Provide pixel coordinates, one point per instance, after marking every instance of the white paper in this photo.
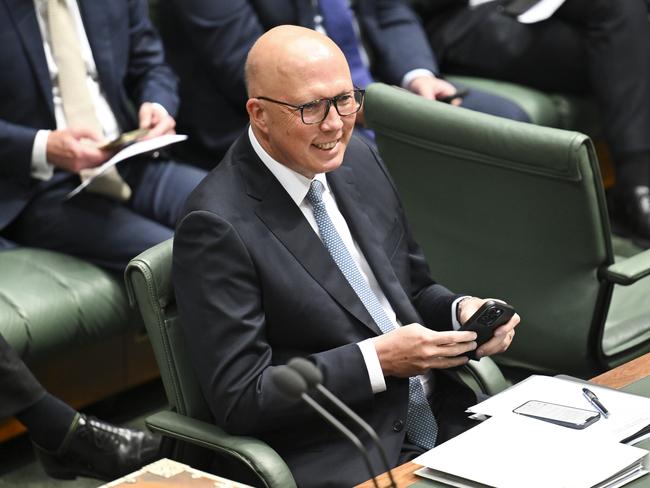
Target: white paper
(512, 451)
(540, 11)
(627, 413)
(129, 151)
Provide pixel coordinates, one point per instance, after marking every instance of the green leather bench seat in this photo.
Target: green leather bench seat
(50, 301)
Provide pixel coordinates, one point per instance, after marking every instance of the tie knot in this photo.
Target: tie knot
(315, 193)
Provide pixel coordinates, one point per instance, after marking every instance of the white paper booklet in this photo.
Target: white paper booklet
(134, 149)
(512, 451)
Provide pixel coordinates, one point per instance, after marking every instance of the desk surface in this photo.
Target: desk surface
(616, 378)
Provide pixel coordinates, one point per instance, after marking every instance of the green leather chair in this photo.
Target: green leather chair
(517, 211)
(148, 280)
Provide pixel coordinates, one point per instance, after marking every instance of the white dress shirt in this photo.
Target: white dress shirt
(297, 186)
(40, 167)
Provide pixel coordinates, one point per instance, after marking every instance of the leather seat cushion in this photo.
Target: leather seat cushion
(49, 301)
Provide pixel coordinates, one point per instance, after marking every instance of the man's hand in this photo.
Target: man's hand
(413, 349)
(432, 88)
(74, 149)
(156, 119)
(503, 335)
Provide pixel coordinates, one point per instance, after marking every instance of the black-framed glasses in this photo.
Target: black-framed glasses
(316, 111)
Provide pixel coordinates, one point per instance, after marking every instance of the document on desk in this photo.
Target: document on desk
(511, 451)
(130, 151)
(628, 414)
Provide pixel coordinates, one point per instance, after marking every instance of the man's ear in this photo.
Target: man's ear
(257, 114)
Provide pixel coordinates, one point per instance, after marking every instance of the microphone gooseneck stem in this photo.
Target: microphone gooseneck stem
(371, 432)
(344, 430)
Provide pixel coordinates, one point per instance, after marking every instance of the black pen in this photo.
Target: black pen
(593, 399)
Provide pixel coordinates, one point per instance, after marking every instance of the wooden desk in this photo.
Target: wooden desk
(616, 378)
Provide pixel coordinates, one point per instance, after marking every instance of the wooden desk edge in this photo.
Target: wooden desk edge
(616, 378)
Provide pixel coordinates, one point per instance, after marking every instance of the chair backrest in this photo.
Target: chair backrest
(505, 209)
(148, 280)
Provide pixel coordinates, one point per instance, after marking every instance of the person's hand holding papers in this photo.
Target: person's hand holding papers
(154, 117)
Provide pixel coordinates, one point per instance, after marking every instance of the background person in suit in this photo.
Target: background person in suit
(207, 42)
(261, 276)
(596, 47)
(67, 443)
(73, 73)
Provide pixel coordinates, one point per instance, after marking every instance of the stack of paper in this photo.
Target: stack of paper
(510, 450)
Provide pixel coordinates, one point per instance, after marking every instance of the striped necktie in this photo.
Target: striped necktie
(422, 428)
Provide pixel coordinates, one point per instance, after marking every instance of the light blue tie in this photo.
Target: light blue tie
(422, 427)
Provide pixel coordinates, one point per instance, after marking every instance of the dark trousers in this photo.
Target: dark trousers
(18, 387)
(597, 47)
(104, 231)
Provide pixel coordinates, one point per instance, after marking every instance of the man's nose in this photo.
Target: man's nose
(332, 121)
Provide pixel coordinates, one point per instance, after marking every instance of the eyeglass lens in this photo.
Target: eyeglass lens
(346, 104)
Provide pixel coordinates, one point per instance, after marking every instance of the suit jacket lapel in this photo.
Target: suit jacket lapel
(285, 220)
(365, 234)
(24, 18)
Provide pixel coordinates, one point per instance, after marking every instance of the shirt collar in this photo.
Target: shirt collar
(295, 184)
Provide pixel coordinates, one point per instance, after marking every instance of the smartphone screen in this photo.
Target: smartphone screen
(575, 418)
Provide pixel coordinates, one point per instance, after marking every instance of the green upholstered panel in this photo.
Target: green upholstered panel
(49, 301)
(628, 321)
(148, 279)
(505, 209)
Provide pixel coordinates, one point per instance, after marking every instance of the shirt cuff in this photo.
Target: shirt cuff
(376, 375)
(41, 169)
(454, 311)
(413, 74)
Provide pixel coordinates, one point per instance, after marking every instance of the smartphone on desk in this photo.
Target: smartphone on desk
(488, 317)
(572, 417)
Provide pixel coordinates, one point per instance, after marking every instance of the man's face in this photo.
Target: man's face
(316, 148)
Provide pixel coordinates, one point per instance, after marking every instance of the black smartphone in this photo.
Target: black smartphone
(572, 417)
(488, 317)
(460, 93)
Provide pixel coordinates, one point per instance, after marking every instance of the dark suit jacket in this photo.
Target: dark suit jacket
(255, 287)
(207, 43)
(131, 69)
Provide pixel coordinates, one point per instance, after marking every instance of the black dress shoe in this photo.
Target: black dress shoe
(96, 449)
(633, 205)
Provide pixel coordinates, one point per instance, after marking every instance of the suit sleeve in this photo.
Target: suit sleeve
(220, 300)
(148, 77)
(397, 39)
(16, 143)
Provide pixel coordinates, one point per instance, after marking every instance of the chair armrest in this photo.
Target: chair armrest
(257, 455)
(630, 270)
(484, 375)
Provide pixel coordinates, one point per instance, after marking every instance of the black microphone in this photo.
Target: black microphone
(314, 379)
(293, 385)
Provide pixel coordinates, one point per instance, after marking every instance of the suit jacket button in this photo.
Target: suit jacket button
(398, 425)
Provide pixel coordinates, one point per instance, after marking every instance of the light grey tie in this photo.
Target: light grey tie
(77, 103)
(422, 427)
